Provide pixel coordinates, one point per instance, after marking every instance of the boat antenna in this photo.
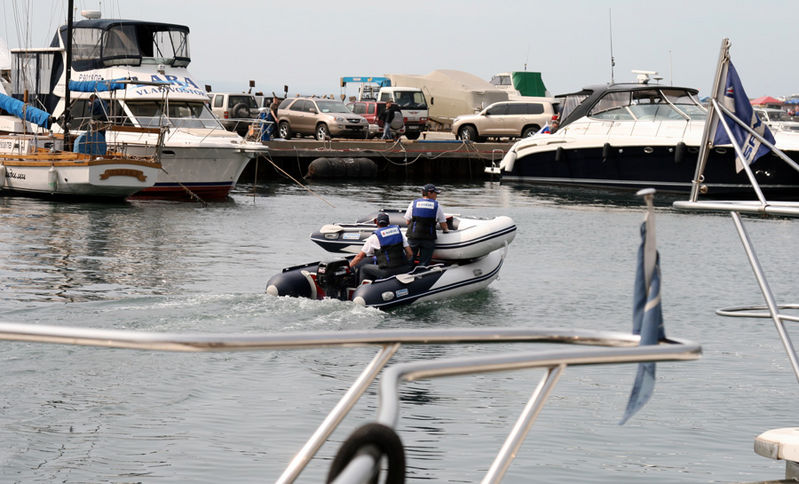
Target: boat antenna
(68, 75)
(527, 57)
(612, 60)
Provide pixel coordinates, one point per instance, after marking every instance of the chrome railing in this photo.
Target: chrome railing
(596, 347)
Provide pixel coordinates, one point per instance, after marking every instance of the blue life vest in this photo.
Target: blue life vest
(423, 219)
(391, 252)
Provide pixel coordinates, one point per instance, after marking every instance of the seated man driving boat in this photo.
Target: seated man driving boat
(390, 248)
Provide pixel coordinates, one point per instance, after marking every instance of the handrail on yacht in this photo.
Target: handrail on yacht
(601, 347)
(761, 206)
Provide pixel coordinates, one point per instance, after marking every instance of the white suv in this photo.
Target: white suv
(505, 119)
(236, 110)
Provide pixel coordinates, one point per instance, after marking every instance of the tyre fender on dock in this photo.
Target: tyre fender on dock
(342, 168)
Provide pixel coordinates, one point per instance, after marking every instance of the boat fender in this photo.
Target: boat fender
(52, 179)
(679, 152)
(559, 154)
(378, 440)
(606, 151)
(2, 174)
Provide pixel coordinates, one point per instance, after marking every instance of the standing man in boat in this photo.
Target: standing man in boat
(422, 216)
(390, 246)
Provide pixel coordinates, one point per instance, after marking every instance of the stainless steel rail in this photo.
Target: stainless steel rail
(602, 347)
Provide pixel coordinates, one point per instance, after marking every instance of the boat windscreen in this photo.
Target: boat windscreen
(181, 114)
(569, 102)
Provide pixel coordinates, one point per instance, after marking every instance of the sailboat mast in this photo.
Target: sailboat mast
(68, 75)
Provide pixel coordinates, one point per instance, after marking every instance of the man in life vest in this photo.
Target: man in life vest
(390, 248)
(422, 216)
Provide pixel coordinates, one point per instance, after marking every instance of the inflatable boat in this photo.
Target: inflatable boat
(468, 238)
(335, 279)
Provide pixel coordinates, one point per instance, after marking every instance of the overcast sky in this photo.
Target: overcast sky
(309, 45)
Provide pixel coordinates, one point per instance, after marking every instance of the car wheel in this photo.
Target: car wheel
(322, 133)
(467, 133)
(413, 135)
(530, 130)
(284, 130)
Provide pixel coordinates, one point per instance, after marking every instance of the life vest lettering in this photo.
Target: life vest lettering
(389, 231)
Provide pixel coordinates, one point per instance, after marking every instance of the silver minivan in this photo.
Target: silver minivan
(505, 119)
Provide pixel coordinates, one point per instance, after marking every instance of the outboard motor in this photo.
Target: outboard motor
(334, 277)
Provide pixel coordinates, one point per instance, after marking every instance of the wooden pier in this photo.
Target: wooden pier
(403, 159)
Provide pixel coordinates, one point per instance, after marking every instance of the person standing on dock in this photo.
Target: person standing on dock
(422, 216)
(389, 246)
(392, 110)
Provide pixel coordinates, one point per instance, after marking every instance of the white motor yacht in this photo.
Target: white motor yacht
(637, 135)
(200, 159)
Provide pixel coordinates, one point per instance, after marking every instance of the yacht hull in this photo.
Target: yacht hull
(63, 179)
(668, 168)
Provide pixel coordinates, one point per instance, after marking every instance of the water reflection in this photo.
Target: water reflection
(82, 252)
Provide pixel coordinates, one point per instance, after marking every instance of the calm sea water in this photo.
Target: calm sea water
(74, 414)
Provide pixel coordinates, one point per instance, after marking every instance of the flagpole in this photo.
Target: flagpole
(711, 121)
(648, 195)
(739, 154)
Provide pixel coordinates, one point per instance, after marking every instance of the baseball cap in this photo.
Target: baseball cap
(382, 218)
(430, 188)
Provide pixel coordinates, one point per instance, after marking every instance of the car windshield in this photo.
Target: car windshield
(180, 114)
(332, 107)
(410, 99)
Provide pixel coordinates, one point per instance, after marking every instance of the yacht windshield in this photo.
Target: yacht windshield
(181, 114)
(648, 105)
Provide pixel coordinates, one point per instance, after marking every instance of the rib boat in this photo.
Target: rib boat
(335, 279)
(468, 237)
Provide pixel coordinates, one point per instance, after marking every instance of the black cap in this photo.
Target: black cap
(430, 188)
(382, 219)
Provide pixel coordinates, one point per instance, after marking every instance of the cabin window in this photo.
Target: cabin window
(171, 47)
(120, 47)
(86, 44)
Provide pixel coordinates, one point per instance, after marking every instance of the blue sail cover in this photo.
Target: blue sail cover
(25, 111)
(95, 86)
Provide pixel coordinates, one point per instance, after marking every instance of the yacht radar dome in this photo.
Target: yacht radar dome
(91, 14)
(643, 77)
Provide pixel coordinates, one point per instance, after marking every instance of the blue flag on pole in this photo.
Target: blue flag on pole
(647, 317)
(734, 98)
